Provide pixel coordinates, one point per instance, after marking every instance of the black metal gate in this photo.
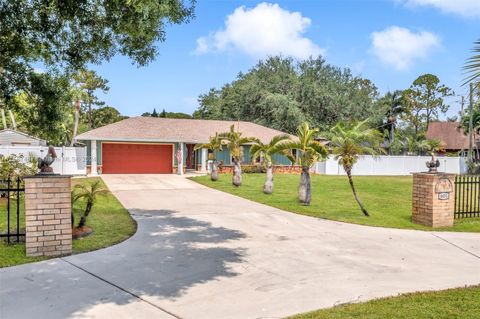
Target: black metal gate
(467, 196)
(11, 201)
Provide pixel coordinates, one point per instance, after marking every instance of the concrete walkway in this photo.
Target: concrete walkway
(200, 253)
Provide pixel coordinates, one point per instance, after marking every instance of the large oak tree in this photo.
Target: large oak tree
(62, 37)
(282, 93)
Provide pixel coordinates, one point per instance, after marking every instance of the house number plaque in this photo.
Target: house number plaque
(443, 188)
(443, 195)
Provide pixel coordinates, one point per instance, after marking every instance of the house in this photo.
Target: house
(451, 134)
(154, 145)
(9, 137)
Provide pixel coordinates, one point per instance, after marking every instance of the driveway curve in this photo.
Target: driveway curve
(202, 253)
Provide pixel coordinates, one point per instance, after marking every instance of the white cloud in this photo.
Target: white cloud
(202, 46)
(264, 30)
(467, 8)
(400, 47)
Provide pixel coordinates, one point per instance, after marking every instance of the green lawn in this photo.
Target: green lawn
(388, 199)
(463, 303)
(111, 224)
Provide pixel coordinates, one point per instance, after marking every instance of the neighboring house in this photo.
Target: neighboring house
(153, 145)
(451, 134)
(10, 137)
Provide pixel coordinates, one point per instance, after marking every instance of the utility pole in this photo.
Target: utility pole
(470, 125)
(462, 111)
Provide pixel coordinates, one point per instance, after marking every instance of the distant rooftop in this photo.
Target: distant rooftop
(450, 133)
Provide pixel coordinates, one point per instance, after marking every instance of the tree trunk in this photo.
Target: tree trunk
(237, 173)
(75, 127)
(214, 172)
(90, 119)
(391, 137)
(268, 186)
(350, 180)
(304, 189)
(83, 219)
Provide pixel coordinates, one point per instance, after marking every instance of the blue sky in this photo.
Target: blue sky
(390, 42)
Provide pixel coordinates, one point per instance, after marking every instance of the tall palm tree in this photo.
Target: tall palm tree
(265, 152)
(310, 151)
(234, 141)
(214, 145)
(472, 67)
(349, 141)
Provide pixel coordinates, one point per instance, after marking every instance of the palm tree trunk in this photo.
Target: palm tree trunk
(83, 219)
(75, 127)
(304, 189)
(350, 180)
(214, 172)
(268, 186)
(237, 173)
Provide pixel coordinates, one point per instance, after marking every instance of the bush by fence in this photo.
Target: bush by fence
(70, 160)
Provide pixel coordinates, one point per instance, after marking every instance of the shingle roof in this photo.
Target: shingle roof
(450, 133)
(174, 130)
(15, 132)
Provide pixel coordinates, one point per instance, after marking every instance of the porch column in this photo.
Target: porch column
(93, 157)
(181, 149)
(204, 159)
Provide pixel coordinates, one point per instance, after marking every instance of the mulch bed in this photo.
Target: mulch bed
(78, 233)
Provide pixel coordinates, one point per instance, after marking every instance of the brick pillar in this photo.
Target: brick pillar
(433, 199)
(48, 208)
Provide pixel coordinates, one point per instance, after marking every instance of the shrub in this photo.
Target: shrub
(14, 166)
(254, 168)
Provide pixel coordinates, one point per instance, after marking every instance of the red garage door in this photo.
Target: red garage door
(136, 158)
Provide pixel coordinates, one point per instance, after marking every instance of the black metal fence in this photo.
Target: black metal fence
(467, 196)
(11, 201)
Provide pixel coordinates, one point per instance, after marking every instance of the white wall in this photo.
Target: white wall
(392, 165)
(70, 160)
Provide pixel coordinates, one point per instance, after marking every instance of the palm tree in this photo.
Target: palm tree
(472, 67)
(234, 141)
(414, 145)
(349, 141)
(310, 151)
(265, 152)
(432, 146)
(465, 121)
(214, 145)
(90, 194)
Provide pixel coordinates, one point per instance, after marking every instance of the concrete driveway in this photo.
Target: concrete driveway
(200, 253)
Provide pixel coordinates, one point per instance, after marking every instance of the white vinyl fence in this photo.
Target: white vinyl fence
(392, 165)
(70, 160)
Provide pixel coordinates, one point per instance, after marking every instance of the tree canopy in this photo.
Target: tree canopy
(87, 82)
(424, 101)
(165, 114)
(282, 93)
(44, 43)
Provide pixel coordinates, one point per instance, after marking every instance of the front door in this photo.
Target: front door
(190, 160)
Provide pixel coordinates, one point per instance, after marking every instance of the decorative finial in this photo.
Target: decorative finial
(432, 164)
